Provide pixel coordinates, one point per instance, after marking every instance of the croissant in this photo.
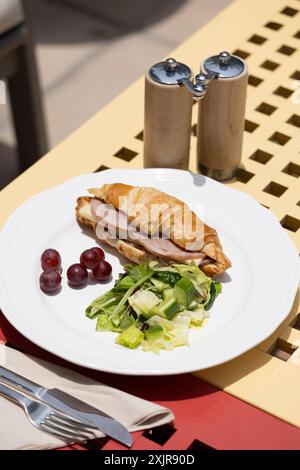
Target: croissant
(157, 226)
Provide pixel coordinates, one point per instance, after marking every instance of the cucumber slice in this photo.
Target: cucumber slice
(153, 333)
(185, 291)
(168, 308)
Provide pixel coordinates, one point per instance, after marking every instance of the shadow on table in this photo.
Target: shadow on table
(115, 18)
(233, 371)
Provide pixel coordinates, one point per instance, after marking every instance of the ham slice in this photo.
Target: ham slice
(116, 224)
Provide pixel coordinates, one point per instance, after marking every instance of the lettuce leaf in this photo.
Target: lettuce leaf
(139, 271)
(123, 284)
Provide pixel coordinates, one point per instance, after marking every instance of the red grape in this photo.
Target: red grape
(102, 272)
(51, 260)
(100, 252)
(77, 275)
(50, 281)
(89, 259)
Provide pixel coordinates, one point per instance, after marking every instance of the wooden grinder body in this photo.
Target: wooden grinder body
(221, 120)
(167, 131)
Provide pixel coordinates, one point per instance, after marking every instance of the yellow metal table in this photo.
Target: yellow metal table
(266, 34)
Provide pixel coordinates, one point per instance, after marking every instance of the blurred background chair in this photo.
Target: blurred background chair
(18, 68)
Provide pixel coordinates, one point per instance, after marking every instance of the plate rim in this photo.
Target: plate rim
(291, 294)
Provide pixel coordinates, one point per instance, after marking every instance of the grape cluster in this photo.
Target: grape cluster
(77, 274)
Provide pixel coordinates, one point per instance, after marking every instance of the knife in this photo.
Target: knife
(70, 405)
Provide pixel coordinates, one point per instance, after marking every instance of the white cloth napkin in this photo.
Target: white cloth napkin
(16, 432)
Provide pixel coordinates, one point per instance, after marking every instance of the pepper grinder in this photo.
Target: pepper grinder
(168, 113)
(221, 115)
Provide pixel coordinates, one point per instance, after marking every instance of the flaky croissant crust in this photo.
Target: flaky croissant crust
(126, 198)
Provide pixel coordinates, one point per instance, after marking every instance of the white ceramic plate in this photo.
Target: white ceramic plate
(258, 291)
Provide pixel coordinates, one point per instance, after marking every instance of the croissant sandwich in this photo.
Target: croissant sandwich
(145, 223)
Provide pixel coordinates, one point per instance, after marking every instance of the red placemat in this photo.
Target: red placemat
(205, 417)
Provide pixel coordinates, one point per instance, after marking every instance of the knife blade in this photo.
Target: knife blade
(70, 405)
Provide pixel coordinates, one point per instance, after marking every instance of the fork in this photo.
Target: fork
(47, 420)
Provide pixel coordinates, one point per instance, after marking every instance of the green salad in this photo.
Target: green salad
(155, 306)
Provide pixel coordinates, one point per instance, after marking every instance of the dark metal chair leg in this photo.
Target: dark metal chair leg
(26, 105)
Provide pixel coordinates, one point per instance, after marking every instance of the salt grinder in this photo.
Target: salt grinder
(221, 115)
(168, 112)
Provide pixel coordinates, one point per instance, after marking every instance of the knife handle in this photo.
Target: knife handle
(19, 382)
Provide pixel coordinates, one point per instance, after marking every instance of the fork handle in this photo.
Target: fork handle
(18, 381)
(14, 396)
